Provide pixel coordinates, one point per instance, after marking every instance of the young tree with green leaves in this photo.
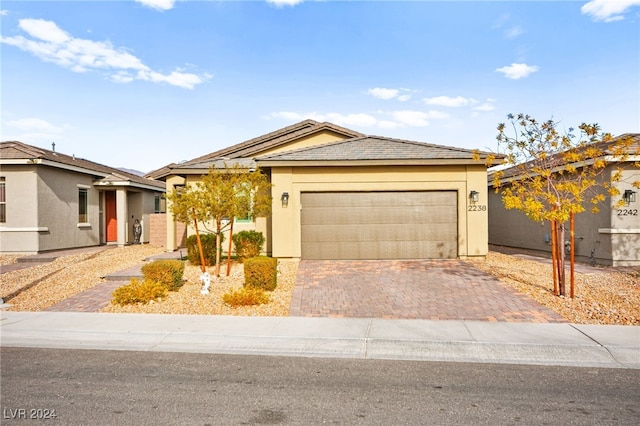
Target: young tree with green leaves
(554, 174)
(219, 197)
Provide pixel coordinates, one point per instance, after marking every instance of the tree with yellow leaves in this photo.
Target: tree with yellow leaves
(218, 198)
(555, 175)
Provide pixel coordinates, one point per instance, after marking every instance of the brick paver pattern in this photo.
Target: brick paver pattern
(413, 289)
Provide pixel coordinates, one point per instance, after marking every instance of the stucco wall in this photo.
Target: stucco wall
(472, 225)
(20, 232)
(58, 209)
(607, 238)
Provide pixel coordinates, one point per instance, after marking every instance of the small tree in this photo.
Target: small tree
(219, 197)
(554, 174)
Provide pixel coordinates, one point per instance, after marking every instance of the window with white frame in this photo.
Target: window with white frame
(83, 205)
(3, 200)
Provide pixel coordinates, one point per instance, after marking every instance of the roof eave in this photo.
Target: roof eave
(352, 163)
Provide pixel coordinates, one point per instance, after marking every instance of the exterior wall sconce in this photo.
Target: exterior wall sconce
(285, 199)
(474, 196)
(629, 196)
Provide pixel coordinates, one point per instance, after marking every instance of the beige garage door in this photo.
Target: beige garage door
(379, 225)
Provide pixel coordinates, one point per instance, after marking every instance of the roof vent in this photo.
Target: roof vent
(53, 146)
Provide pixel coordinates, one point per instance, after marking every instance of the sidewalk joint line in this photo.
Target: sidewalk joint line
(598, 343)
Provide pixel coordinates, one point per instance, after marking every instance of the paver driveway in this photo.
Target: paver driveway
(413, 289)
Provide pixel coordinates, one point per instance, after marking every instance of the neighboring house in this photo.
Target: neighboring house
(610, 237)
(339, 194)
(50, 201)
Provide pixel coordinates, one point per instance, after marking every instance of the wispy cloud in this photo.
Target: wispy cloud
(386, 94)
(52, 44)
(608, 10)
(4, 12)
(518, 71)
(158, 4)
(486, 106)
(32, 124)
(447, 101)
(364, 120)
(281, 3)
(387, 120)
(509, 30)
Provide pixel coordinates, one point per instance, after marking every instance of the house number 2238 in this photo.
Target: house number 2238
(477, 208)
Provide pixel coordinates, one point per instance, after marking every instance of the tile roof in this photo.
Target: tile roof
(279, 137)
(606, 147)
(14, 150)
(254, 146)
(374, 148)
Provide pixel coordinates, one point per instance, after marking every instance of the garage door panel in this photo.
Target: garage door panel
(404, 250)
(440, 232)
(372, 215)
(379, 225)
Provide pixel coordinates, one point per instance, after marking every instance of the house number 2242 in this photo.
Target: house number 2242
(477, 208)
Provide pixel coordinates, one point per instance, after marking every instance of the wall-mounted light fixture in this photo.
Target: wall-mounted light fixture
(629, 196)
(474, 196)
(285, 199)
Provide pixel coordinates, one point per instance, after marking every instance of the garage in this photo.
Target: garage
(379, 225)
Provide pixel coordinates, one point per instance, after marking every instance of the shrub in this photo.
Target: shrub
(248, 244)
(168, 272)
(245, 296)
(208, 247)
(261, 272)
(138, 292)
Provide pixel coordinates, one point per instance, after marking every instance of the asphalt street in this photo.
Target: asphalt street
(103, 387)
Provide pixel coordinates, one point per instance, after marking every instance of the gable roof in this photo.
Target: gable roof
(375, 150)
(255, 146)
(14, 152)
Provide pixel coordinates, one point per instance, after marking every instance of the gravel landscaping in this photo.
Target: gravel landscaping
(603, 295)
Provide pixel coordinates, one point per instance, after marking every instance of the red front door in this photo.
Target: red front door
(111, 216)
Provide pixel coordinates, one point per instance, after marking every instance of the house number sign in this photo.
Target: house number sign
(627, 212)
(477, 208)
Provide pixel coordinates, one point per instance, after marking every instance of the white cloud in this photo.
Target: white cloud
(281, 3)
(396, 119)
(382, 93)
(364, 120)
(386, 94)
(447, 101)
(518, 71)
(608, 10)
(32, 124)
(411, 118)
(52, 44)
(158, 4)
(4, 12)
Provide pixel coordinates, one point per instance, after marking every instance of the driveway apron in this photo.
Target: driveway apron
(410, 289)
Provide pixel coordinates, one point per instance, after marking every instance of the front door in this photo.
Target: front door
(110, 216)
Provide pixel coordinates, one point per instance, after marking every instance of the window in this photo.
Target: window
(83, 205)
(245, 219)
(159, 204)
(3, 201)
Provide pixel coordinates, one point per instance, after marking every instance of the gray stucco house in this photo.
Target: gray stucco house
(51, 201)
(610, 237)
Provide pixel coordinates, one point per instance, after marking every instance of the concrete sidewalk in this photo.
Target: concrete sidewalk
(361, 338)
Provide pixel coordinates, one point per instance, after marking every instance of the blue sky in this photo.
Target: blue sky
(140, 84)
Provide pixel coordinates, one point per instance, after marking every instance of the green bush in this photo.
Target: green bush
(261, 272)
(167, 271)
(208, 247)
(138, 292)
(245, 296)
(248, 244)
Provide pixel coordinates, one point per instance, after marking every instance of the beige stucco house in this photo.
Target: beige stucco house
(339, 194)
(51, 201)
(610, 237)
